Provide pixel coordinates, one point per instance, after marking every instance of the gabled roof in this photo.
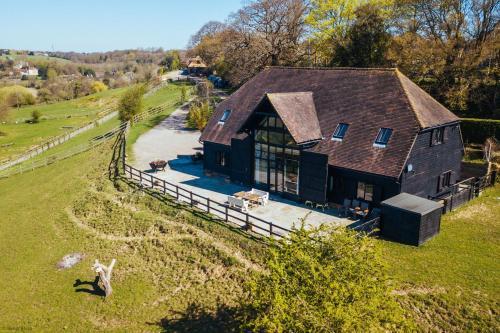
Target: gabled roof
(298, 113)
(366, 99)
(429, 112)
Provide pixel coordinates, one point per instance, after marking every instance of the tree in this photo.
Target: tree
(51, 74)
(322, 280)
(209, 29)
(172, 60)
(451, 49)
(131, 103)
(199, 114)
(366, 42)
(330, 20)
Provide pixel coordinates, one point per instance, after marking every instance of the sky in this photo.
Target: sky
(105, 25)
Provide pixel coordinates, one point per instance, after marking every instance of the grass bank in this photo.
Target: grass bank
(170, 262)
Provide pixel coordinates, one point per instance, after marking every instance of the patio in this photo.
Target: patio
(172, 142)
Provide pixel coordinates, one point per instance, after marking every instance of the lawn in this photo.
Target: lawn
(169, 261)
(453, 279)
(56, 119)
(62, 117)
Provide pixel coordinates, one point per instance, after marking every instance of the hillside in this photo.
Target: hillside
(167, 259)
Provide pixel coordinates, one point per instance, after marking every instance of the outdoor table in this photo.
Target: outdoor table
(253, 198)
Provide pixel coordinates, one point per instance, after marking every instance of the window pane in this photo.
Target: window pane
(272, 122)
(261, 136)
(260, 171)
(340, 131)
(368, 192)
(276, 137)
(225, 116)
(361, 190)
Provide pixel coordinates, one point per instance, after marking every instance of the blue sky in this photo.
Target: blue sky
(92, 25)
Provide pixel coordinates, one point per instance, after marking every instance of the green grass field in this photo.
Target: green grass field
(453, 279)
(33, 58)
(168, 260)
(56, 119)
(20, 136)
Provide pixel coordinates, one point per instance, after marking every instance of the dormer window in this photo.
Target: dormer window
(339, 132)
(225, 116)
(383, 136)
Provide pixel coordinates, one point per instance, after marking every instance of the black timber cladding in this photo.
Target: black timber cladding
(242, 160)
(210, 151)
(428, 162)
(313, 172)
(409, 219)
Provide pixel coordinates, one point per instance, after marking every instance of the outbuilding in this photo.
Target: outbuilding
(409, 219)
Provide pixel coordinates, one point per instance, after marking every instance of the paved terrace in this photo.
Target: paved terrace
(172, 142)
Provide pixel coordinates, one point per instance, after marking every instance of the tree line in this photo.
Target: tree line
(448, 47)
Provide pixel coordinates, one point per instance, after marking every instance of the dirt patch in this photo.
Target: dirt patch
(70, 260)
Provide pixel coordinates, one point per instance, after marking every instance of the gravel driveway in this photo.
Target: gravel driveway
(166, 141)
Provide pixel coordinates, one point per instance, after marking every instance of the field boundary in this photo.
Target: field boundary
(57, 140)
(91, 144)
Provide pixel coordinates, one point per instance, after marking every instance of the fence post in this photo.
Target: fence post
(177, 192)
(191, 198)
(151, 180)
(226, 214)
(247, 223)
(270, 229)
(164, 187)
(208, 205)
(493, 177)
(140, 177)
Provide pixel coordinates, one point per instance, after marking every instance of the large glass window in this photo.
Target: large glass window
(276, 157)
(365, 191)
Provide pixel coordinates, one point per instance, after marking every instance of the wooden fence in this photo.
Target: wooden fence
(57, 140)
(464, 191)
(220, 210)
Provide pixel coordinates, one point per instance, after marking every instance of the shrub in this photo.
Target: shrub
(478, 130)
(35, 116)
(131, 103)
(322, 280)
(98, 86)
(16, 96)
(199, 114)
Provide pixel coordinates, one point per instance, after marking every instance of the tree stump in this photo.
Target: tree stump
(104, 273)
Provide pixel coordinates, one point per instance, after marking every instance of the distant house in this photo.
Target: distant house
(28, 71)
(326, 135)
(196, 66)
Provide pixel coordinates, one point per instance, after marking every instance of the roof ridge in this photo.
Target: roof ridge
(387, 69)
(289, 92)
(408, 99)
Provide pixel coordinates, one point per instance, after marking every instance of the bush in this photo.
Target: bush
(478, 130)
(199, 114)
(131, 103)
(323, 280)
(35, 116)
(16, 96)
(98, 86)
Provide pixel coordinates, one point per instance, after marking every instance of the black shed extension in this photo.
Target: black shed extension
(409, 219)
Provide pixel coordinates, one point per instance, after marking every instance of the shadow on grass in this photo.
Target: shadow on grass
(94, 290)
(198, 319)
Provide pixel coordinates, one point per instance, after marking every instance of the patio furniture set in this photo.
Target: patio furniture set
(244, 200)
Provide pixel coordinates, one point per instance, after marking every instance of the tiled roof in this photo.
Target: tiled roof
(298, 113)
(366, 99)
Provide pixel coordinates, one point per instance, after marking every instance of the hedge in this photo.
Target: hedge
(478, 130)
